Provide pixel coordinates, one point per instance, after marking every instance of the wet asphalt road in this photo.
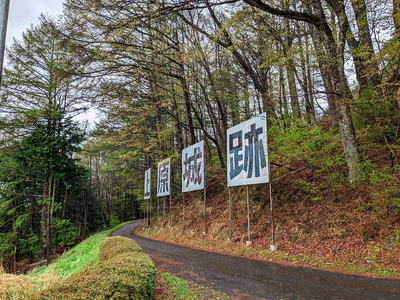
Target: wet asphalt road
(252, 279)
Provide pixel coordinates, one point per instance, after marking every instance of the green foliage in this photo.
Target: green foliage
(128, 276)
(377, 120)
(37, 163)
(76, 259)
(6, 248)
(19, 221)
(114, 220)
(28, 245)
(24, 167)
(180, 286)
(64, 233)
(310, 144)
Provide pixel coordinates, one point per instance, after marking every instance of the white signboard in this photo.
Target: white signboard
(247, 152)
(164, 178)
(147, 182)
(193, 167)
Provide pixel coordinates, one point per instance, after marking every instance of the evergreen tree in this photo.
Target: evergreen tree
(42, 93)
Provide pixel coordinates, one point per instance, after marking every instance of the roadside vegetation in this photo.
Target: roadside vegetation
(71, 262)
(171, 287)
(93, 268)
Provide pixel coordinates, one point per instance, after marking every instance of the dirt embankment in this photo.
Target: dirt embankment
(315, 225)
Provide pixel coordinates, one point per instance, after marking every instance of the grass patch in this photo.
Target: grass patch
(82, 255)
(174, 288)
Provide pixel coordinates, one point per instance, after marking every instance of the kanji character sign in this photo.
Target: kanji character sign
(147, 182)
(193, 167)
(163, 178)
(247, 152)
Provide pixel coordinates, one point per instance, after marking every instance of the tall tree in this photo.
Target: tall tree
(315, 15)
(43, 92)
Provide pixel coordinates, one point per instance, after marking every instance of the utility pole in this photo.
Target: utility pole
(4, 8)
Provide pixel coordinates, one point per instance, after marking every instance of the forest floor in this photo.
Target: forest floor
(326, 233)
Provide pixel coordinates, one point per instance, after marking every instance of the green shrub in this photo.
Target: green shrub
(126, 276)
(6, 249)
(64, 232)
(114, 220)
(123, 272)
(111, 247)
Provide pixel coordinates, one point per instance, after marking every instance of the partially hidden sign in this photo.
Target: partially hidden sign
(164, 178)
(247, 152)
(193, 167)
(147, 182)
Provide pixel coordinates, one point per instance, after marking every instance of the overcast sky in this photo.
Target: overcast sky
(23, 13)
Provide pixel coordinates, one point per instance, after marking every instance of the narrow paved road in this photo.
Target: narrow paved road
(251, 279)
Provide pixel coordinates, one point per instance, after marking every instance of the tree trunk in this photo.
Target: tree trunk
(349, 141)
(337, 88)
(290, 70)
(362, 50)
(283, 107)
(186, 103)
(50, 199)
(43, 222)
(178, 129)
(393, 81)
(324, 68)
(294, 99)
(222, 126)
(304, 61)
(342, 98)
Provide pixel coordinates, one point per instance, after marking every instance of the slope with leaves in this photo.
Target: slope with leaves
(320, 219)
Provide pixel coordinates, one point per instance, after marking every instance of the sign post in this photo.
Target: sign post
(4, 9)
(147, 192)
(273, 247)
(170, 204)
(164, 180)
(193, 176)
(230, 214)
(247, 152)
(183, 210)
(205, 210)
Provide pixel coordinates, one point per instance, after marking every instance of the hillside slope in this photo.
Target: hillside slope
(320, 219)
